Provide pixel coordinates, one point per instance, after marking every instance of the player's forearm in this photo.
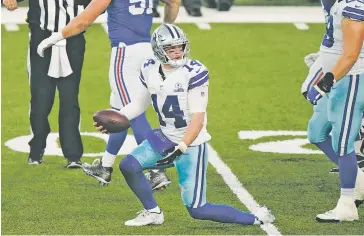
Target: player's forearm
(137, 106)
(353, 36)
(171, 9)
(194, 128)
(81, 22)
(134, 109)
(343, 66)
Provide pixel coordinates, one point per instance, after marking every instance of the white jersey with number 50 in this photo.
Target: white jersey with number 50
(332, 45)
(175, 99)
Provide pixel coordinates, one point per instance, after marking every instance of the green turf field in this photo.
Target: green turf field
(256, 72)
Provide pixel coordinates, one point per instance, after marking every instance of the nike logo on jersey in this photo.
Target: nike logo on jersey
(198, 70)
(357, 6)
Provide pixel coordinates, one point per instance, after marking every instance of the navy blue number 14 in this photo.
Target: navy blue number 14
(170, 109)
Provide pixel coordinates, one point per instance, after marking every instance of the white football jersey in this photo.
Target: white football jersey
(332, 45)
(171, 98)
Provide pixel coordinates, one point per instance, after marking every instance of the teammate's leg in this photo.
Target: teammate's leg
(191, 170)
(319, 129)
(346, 105)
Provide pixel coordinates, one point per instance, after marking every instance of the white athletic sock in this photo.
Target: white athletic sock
(108, 159)
(155, 210)
(347, 192)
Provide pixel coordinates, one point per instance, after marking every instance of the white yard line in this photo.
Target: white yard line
(238, 189)
(301, 26)
(11, 27)
(204, 26)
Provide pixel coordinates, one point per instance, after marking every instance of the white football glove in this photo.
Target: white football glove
(49, 42)
(311, 58)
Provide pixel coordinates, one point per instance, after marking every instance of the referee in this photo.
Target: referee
(60, 68)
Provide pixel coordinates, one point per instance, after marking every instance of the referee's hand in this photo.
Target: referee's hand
(49, 42)
(11, 5)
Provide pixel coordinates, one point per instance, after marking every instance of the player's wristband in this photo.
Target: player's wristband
(182, 146)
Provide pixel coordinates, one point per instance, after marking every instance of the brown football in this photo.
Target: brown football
(111, 120)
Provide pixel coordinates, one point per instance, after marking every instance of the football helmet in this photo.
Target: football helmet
(165, 37)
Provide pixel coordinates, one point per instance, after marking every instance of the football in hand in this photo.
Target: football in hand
(111, 120)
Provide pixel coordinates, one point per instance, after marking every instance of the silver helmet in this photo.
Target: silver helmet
(166, 36)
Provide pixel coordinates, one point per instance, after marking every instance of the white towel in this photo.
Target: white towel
(60, 65)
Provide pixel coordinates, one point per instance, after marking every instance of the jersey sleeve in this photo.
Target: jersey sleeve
(354, 10)
(144, 71)
(138, 105)
(198, 99)
(199, 76)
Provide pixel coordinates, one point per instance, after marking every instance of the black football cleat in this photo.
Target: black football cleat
(74, 165)
(96, 170)
(36, 161)
(158, 179)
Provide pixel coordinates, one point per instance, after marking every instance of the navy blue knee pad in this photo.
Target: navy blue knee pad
(129, 165)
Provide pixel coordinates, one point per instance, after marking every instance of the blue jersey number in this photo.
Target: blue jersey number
(149, 62)
(329, 35)
(139, 7)
(193, 66)
(170, 109)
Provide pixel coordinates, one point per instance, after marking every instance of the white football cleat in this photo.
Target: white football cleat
(345, 210)
(146, 218)
(264, 215)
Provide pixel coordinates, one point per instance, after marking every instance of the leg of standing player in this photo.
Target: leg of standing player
(69, 109)
(125, 64)
(124, 71)
(319, 129)
(42, 91)
(346, 106)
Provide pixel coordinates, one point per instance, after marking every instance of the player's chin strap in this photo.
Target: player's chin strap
(161, 72)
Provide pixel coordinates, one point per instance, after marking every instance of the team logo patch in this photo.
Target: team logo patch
(178, 88)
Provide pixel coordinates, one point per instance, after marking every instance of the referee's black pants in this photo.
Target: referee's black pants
(43, 89)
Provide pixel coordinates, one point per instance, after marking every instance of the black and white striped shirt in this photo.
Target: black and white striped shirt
(53, 15)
